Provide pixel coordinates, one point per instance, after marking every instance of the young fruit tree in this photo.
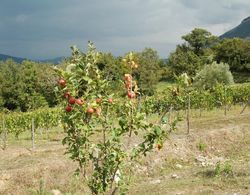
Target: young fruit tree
(99, 126)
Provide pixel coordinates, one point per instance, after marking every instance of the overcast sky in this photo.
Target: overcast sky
(41, 29)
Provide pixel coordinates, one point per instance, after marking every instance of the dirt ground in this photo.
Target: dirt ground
(213, 159)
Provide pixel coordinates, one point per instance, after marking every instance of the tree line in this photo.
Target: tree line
(30, 85)
(201, 48)
(26, 86)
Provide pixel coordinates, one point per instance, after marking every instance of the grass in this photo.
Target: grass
(212, 135)
(163, 86)
(42, 137)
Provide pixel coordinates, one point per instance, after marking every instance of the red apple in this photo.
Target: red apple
(128, 85)
(110, 100)
(79, 102)
(69, 108)
(72, 100)
(90, 110)
(98, 100)
(127, 77)
(62, 82)
(131, 94)
(66, 95)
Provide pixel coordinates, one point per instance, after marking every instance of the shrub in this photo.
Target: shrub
(213, 74)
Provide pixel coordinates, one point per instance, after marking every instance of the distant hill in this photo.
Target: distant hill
(53, 60)
(4, 57)
(241, 31)
(16, 59)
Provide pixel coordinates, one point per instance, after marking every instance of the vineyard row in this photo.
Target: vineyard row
(16, 123)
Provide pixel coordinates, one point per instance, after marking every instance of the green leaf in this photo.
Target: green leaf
(158, 130)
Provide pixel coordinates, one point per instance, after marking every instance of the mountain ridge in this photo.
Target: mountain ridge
(240, 31)
(57, 60)
(4, 57)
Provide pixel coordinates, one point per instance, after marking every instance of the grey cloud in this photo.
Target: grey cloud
(217, 12)
(43, 29)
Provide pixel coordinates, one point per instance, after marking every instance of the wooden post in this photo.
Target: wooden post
(139, 104)
(225, 100)
(41, 131)
(46, 131)
(33, 133)
(4, 133)
(4, 136)
(170, 115)
(247, 104)
(188, 115)
(200, 102)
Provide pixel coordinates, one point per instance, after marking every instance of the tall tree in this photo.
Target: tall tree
(149, 71)
(10, 85)
(26, 86)
(191, 56)
(184, 60)
(31, 96)
(199, 39)
(47, 80)
(112, 67)
(235, 52)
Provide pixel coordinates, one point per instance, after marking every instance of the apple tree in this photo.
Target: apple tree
(99, 126)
